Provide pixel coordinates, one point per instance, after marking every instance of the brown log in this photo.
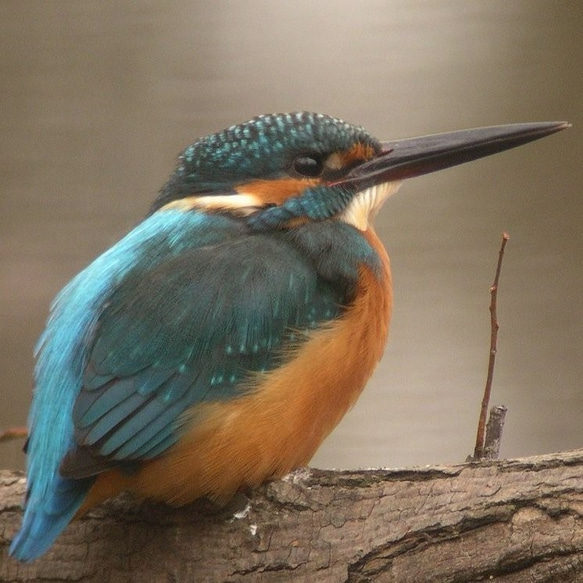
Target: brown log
(512, 521)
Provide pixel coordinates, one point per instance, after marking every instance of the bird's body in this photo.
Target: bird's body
(217, 344)
(277, 420)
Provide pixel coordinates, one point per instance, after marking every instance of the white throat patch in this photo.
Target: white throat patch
(365, 204)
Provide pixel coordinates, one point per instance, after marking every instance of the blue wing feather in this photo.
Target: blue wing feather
(201, 322)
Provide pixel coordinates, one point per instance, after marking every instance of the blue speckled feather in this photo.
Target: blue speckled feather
(261, 148)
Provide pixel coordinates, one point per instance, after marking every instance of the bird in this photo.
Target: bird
(217, 344)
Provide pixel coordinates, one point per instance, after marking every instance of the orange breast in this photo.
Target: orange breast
(281, 423)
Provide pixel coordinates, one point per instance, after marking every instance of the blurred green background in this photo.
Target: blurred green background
(98, 98)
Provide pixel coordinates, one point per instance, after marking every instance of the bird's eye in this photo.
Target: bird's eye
(310, 165)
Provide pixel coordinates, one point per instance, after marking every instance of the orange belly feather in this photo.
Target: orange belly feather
(280, 424)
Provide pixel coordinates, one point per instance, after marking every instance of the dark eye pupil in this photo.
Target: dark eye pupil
(308, 165)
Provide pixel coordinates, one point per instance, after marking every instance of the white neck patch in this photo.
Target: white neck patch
(365, 204)
(241, 204)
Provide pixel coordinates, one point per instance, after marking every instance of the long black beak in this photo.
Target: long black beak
(416, 156)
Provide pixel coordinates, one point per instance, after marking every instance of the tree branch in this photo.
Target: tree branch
(516, 521)
(13, 433)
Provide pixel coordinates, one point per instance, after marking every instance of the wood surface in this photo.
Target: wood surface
(510, 521)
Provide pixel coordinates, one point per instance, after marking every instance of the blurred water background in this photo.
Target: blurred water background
(98, 97)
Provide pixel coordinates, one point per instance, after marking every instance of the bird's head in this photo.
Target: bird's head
(282, 169)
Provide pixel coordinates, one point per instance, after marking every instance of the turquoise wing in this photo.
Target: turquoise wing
(189, 331)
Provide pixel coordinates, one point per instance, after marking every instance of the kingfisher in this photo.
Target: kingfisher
(221, 340)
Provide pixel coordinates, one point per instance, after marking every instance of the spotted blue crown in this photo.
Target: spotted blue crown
(260, 148)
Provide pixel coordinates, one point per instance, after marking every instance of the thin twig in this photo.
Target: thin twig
(13, 433)
(479, 449)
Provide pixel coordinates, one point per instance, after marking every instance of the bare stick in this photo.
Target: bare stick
(13, 433)
(479, 449)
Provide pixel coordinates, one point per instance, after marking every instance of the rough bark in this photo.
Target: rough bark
(513, 521)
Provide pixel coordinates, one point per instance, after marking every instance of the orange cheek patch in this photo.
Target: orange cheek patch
(358, 153)
(276, 191)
